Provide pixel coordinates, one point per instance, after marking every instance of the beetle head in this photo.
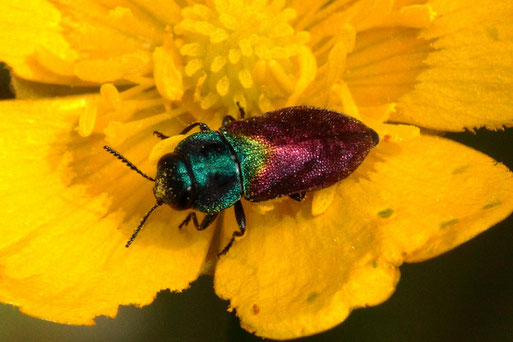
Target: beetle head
(173, 183)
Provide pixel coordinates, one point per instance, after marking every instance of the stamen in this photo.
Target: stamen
(142, 104)
(199, 85)
(133, 91)
(208, 101)
(245, 79)
(260, 72)
(110, 96)
(307, 73)
(223, 85)
(350, 107)
(217, 64)
(168, 77)
(264, 207)
(193, 67)
(164, 146)
(218, 36)
(245, 47)
(242, 42)
(322, 200)
(202, 11)
(281, 77)
(346, 36)
(264, 104)
(117, 132)
(87, 120)
(192, 49)
(141, 80)
(234, 56)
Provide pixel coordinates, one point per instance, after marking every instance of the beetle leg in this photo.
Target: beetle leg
(203, 127)
(241, 221)
(298, 196)
(188, 218)
(160, 135)
(227, 119)
(207, 221)
(241, 110)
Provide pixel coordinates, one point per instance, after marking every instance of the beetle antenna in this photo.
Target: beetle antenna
(129, 164)
(143, 221)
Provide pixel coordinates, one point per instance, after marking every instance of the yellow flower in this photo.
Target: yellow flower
(68, 208)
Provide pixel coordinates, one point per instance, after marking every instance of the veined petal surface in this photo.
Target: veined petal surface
(68, 209)
(295, 274)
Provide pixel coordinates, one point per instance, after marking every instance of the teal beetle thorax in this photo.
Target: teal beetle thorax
(215, 172)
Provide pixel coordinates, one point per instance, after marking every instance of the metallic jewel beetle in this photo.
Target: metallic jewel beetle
(288, 151)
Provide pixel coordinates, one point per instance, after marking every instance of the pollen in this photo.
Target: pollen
(248, 52)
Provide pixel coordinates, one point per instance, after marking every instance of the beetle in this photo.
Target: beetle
(285, 152)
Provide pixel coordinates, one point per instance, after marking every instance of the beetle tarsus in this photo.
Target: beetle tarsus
(160, 135)
(227, 119)
(203, 127)
(241, 110)
(188, 218)
(298, 196)
(241, 221)
(207, 221)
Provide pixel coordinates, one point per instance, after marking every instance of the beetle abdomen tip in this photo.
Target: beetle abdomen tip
(375, 137)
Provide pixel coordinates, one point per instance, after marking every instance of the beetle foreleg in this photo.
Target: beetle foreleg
(298, 196)
(160, 135)
(203, 127)
(227, 119)
(207, 221)
(241, 221)
(241, 111)
(188, 218)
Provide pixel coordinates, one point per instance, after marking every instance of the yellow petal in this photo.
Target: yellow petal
(295, 274)
(65, 44)
(68, 208)
(384, 65)
(24, 89)
(469, 78)
(455, 74)
(416, 15)
(167, 11)
(378, 113)
(371, 13)
(24, 28)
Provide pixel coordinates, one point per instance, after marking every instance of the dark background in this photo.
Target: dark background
(463, 295)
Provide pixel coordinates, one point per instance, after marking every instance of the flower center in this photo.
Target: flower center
(239, 51)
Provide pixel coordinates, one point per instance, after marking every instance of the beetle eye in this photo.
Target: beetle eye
(173, 184)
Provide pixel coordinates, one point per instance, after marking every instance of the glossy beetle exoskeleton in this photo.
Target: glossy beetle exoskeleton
(288, 151)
